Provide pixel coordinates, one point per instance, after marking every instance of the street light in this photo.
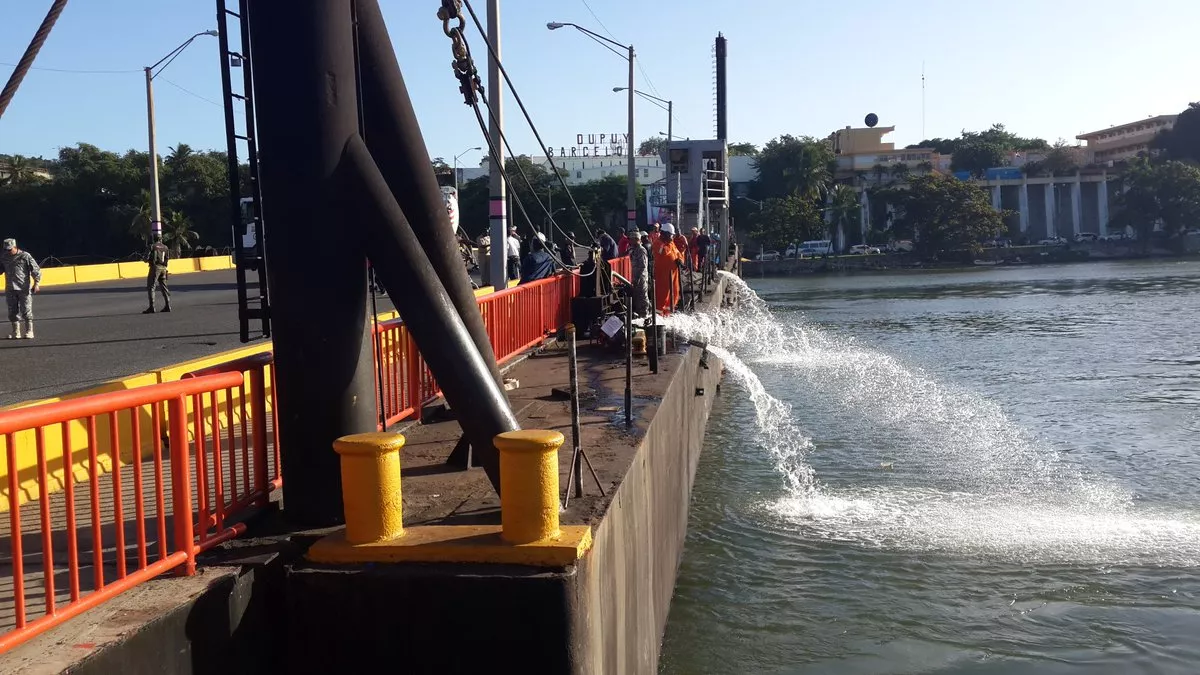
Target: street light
(456, 165)
(631, 189)
(155, 206)
(657, 101)
(752, 201)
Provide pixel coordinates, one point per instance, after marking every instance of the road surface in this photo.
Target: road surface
(91, 333)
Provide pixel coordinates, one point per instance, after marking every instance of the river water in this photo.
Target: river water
(980, 471)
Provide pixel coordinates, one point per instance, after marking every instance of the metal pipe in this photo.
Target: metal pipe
(496, 184)
(305, 92)
(440, 334)
(394, 137)
(573, 365)
(628, 358)
(631, 189)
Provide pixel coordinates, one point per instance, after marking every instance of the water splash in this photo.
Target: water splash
(966, 477)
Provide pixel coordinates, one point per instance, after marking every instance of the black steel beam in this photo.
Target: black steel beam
(393, 136)
(439, 331)
(722, 101)
(304, 87)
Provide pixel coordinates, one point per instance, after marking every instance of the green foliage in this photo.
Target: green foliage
(794, 166)
(845, 209)
(1167, 192)
(996, 135)
(655, 145)
(977, 157)
(177, 233)
(784, 220)
(941, 213)
(899, 170)
(743, 149)
(97, 206)
(1182, 141)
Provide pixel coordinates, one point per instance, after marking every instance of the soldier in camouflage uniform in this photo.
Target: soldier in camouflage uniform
(22, 278)
(641, 286)
(157, 257)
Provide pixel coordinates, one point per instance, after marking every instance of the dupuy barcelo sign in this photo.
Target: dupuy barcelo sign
(592, 145)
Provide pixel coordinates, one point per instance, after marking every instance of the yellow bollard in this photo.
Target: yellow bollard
(371, 499)
(528, 485)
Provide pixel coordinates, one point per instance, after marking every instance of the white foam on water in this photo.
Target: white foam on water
(973, 481)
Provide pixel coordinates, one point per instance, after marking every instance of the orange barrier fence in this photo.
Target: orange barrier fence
(195, 455)
(136, 523)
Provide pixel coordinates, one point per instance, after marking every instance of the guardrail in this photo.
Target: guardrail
(188, 460)
(82, 274)
(159, 492)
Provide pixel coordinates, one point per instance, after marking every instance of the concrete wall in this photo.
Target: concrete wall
(84, 274)
(625, 584)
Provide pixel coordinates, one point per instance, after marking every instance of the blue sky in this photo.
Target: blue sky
(1050, 69)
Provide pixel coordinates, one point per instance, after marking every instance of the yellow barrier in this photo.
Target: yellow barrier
(133, 270)
(81, 274)
(87, 273)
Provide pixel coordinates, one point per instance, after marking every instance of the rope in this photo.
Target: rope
(529, 120)
(31, 52)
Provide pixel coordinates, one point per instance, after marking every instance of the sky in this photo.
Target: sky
(802, 67)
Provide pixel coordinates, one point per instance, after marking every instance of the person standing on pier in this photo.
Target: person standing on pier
(22, 278)
(639, 258)
(666, 269)
(157, 258)
(514, 255)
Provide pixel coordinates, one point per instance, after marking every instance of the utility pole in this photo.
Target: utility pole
(631, 196)
(155, 203)
(670, 119)
(496, 184)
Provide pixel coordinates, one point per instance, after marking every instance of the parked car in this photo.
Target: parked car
(1087, 236)
(1115, 236)
(901, 245)
(766, 256)
(791, 251)
(1052, 241)
(864, 249)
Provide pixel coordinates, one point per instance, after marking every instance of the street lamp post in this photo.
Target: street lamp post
(657, 101)
(631, 189)
(155, 202)
(456, 165)
(753, 201)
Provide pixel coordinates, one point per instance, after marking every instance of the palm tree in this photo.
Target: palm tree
(810, 178)
(844, 208)
(880, 171)
(19, 171)
(925, 167)
(139, 222)
(177, 233)
(899, 171)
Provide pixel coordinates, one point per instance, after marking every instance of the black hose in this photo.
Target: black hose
(31, 52)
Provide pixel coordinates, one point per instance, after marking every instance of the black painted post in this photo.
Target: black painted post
(304, 88)
(628, 358)
(573, 364)
(394, 138)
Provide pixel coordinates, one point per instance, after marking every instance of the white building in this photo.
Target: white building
(1124, 141)
(650, 168)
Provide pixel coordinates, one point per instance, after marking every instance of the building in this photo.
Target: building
(584, 169)
(1123, 142)
(860, 150)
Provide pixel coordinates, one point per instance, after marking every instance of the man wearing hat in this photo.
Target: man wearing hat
(22, 278)
(158, 258)
(638, 260)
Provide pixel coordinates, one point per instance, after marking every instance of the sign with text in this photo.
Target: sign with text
(593, 145)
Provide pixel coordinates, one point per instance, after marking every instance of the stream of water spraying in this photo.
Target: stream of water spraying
(957, 474)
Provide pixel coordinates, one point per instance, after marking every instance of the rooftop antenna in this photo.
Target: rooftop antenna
(923, 100)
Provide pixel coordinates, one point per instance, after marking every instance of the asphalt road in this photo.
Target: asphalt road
(91, 333)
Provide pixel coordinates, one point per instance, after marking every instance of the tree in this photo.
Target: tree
(1182, 141)
(941, 213)
(1166, 193)
(783, 220)
(177, 233)
(441, 168)
(976, 157)
(1061, 160)
(899, 171)
(653, 146)
(18, 170)
(880, 171)
(997, 135)
(743, 150)
(925, 167)
(845, 210)
(790, 165)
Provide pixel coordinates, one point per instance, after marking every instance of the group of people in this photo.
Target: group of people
(23, 278)
(673, 253)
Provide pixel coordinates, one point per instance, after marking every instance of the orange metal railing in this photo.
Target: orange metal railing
(195, 456)
(104, 550)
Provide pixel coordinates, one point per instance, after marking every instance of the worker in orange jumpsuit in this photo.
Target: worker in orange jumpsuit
(667, 256)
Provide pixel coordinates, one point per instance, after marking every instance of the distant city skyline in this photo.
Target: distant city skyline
(1052, 70)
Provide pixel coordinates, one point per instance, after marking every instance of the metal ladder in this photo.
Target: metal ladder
(234, 24)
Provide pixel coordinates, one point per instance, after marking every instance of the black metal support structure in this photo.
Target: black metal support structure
(440, 333)
(722, 108)
(304, 86)
(231, 23)
(393, 136)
